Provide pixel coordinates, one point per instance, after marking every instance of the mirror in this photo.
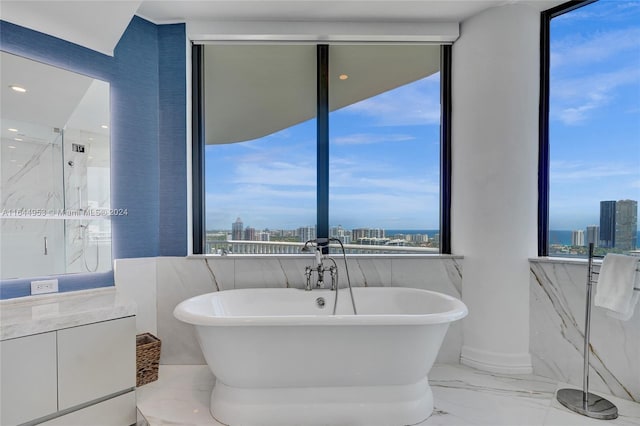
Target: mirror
(55, 171)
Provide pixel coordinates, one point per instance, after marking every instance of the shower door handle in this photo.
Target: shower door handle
(46, 248)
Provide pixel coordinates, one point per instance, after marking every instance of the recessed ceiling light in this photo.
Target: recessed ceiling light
(12, 130)
(343, 76)
(18, 88)
(11, 147)
(17, 139)
(104, 126)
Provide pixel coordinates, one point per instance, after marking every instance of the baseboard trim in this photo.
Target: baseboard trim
(496, 362)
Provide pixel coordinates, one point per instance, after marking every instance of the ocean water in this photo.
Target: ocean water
(564, 237)
(429, 232)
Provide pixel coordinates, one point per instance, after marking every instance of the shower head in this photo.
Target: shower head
(305, 248)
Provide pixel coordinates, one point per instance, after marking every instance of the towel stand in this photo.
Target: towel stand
(581, 401)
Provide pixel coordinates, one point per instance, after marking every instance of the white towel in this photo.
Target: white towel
(616, 281)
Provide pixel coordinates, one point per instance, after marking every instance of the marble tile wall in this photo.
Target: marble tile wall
(86, 181)
(28, 173)
(31, 170)
(136, 279)
(179, 278)
(557, 300)
(31, 177)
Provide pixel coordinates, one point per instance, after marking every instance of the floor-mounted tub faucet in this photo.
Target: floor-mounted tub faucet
(320, 269)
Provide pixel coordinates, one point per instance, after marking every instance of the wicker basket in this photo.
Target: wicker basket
(147, 358)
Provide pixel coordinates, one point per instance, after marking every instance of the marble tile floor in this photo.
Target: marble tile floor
(463, 397)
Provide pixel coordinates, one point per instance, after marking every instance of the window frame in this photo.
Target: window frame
(322, 138)
(543, 127)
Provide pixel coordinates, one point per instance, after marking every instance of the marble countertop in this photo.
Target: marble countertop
(39, 314)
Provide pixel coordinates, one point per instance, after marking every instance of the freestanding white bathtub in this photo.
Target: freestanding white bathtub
(281, 359)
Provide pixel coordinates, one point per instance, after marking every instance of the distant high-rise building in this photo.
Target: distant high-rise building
(360, 233)
(577, 237)
(607, 224)
(236, 230)
(626, 225)
(340, 233)
(337, 232)
(593, 235)
(306, 233)
(250, 234)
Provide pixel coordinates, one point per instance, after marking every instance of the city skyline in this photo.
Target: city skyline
(618, 227)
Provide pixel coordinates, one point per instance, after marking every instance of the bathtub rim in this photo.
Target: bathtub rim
(458, 311)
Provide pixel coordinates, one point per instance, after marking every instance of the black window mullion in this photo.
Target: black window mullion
(197, 149)
(322, 232)
(445, 149)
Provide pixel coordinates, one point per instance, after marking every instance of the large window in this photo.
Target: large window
(300, 142)
(593, 124)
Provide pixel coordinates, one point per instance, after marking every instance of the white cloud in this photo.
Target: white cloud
(278, 173)
(613, 10)
(387, 210)
(397, 186)
(608, 61)
(579, 51)
(573, 100)
(579, 171)
(417, 103)
(370, 138)
(350, 175)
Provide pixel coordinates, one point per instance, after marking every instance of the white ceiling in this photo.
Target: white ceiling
(55, 98)
(99, 24)
(160, 11)
(96, 24)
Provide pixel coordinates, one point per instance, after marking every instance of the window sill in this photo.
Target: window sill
(562, 260)
(435, 256)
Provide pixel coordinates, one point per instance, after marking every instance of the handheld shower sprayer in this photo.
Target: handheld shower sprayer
(305, 248)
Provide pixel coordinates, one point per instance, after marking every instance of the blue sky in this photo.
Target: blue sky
(594, 126)
(384, 151)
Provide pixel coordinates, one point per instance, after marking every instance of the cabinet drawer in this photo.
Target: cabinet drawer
(28, 386)
(118, 411)
(95, 360)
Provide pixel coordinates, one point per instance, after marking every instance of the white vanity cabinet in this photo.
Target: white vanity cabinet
(28, 378)
(96, 360)
(72, 365)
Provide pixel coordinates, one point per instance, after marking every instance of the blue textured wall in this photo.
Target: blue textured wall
(148, 133)
(134, 156)
(173, 133)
